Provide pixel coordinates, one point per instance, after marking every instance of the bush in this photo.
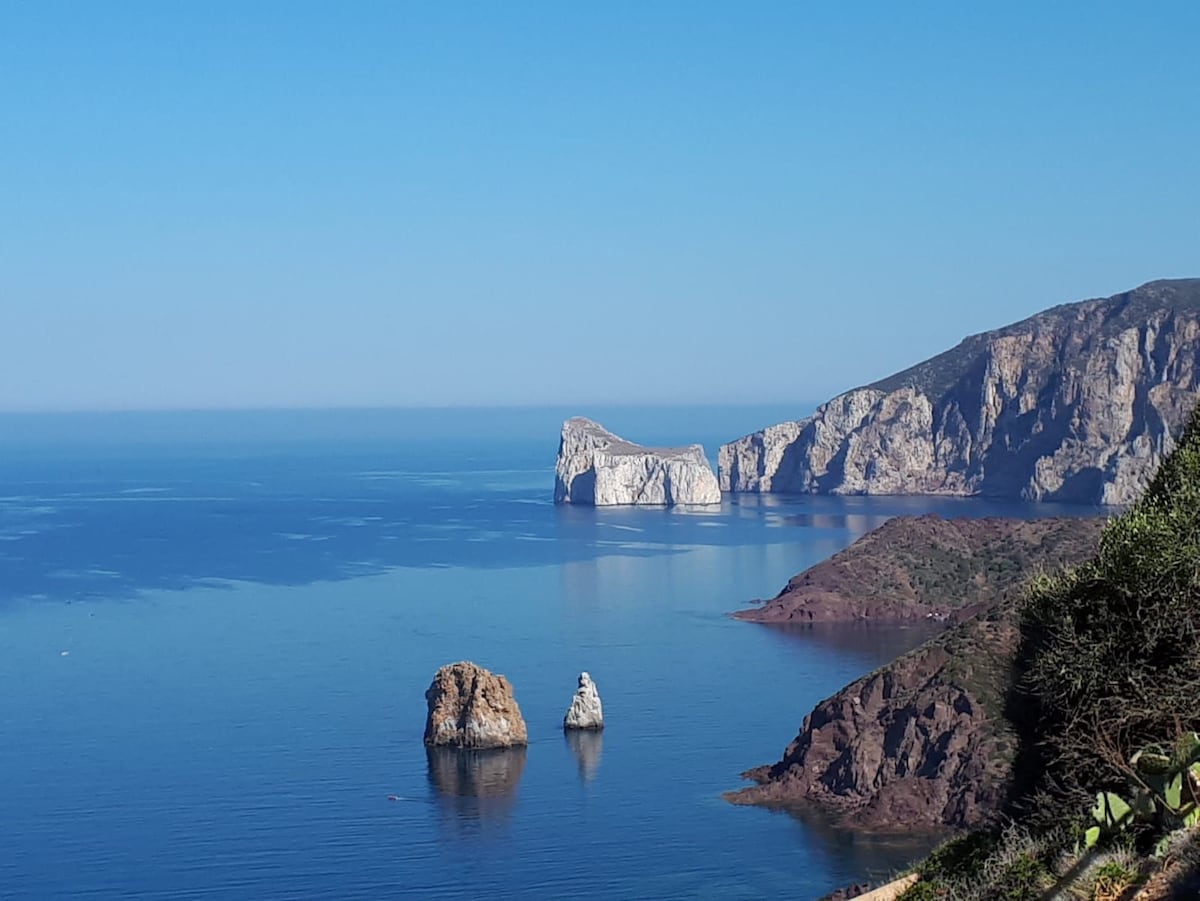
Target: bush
(1110, 651)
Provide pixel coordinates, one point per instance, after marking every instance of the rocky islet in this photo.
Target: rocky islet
(586, 712)
(472, 708)
(597, 468)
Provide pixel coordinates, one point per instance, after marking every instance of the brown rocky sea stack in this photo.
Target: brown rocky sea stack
(470, 707)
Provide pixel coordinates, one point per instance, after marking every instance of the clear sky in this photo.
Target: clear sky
(210, 204)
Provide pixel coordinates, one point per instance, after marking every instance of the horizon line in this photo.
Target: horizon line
(332, 408)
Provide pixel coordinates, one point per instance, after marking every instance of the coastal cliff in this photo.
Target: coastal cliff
(922, 741)
(1077, 404)
(599, 468)
(927, 567)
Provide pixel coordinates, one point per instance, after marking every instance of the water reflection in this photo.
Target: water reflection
(875, 856)
(587, 745)
(477, 789)
(871, 641)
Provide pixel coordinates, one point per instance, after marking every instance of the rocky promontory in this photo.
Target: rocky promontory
(927, 567)
(923, 741)
(470, 707)
(920, 742)
(1077, 404)
(596, 467)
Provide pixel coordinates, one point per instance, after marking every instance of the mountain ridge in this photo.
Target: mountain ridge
(1077, 403)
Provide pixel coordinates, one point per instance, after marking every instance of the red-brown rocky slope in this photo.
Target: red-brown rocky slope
(927, 567)
(921, 742)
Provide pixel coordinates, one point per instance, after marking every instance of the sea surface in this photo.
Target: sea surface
(216, 630)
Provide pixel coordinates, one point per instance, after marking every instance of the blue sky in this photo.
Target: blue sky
(317, 204)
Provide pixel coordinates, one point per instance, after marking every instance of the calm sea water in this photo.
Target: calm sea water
(216, 631)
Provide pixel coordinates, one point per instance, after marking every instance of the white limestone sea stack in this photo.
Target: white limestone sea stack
(596, 467)
(585, 711)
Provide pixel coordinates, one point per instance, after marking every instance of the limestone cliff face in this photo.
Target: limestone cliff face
(1074, 404)
(921, 742)
(599, 468)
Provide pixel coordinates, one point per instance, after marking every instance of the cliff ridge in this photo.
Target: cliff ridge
(1077, 404)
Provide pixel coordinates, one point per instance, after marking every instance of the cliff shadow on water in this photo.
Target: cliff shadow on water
(863, 854)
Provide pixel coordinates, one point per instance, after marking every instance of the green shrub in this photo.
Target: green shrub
(958, 857)
(1110, 653)
(923, 891)
(1025, 878)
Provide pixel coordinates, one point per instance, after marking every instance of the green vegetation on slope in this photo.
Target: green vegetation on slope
(1108, 665)
(1110, 651)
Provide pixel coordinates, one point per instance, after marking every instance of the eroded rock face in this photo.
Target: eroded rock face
(585, 711)
(599, 468)
(921, 742)
(1074, 404)
(470, 707)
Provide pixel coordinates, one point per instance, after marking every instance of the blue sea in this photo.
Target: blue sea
(216, 630)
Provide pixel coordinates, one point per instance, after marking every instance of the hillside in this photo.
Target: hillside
(1075, 404)
(927, 567)
(1062, 727)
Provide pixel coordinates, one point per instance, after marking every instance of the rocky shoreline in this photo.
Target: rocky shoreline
(921, 742)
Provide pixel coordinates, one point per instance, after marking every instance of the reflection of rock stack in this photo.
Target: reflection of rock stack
(475, 774)
(587, 746)
(470, 707)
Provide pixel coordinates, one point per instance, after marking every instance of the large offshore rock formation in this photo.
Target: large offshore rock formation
(1077, 403)
(470, 707)
(599, 468)
(586, 711)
